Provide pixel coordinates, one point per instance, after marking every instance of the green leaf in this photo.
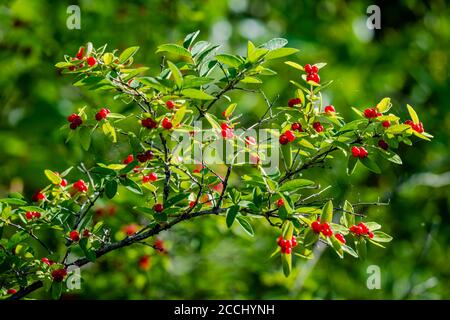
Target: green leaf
(371, 165)
(256, 54)
(286, 261)
(384, 105)
(398, 128)
(275, 43)
(56, 289)
(179, 115)
(229, 110)
(336, 245)
(111, 188)
(176, 73)
(281, 52)
(348, 218)
(127, 54)
(228, 59)
(53, 177)
(174, 49)
(87, 249)
(85, 138)
(132, 186)
(33, 208)
(249, 79)
(391, 156)
(190, 38)
(294, 65)
(361, 248)
(295, 184)
(13, 201)
(327, 212)
(231, 215)
(380, 236)
(351, 165)
(109, 131)
(349, 250)
(245, 224)
(413, 114)
(197, 94)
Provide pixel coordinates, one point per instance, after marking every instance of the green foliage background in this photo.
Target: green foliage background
(407, 60)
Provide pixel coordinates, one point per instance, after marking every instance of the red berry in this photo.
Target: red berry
(363, 153)
(80, 186)
(370, 234)
(36, 215)
(91, 61)
(102, 114)
(318, 127)
(316, 227)
(170, 104)
(250, 141)
(86, 233)
(355, 151)
(149, 123)
(63, 183)
(280, 202)
(47, 261)
(326, 229)
(128, 159)
(59, 275)
(224, 126)
(151, 177)
(340, 237)
(386, 124)
(418, 127)
(330, 109)
(29, 215)
(293, 241)
(294, 101)
(74, 236)
(11, 291)
(314, 77)
(290, 135)
(383, 145)
(287, 250)
(79, 54)
(167, 124)
(227, 133)
(314, 69)
(370, 113)
(72, 117)
(191, 204)
(283, 139)
(308, 68)
(149, 154)
(38, 196)
(158, 207)
(296, 126)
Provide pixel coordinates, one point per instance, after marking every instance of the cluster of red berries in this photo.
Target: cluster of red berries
(150, 177)
(38, 196)
(80, 186)
(145, 156)
(294, 101)
(286, 245)
(361, 229)
(418, 127)
(318, 127)
(359, 152)
(158, 207)
(149, 123)
(167, 124)
(330, 109)
(30, 215)
(75, 121)
(287, 137)
(312, 73)
(91, 61)
(227, 131)
(371, 113)
(102, 114)
(170, 104)
(323, 228)
(59, 274)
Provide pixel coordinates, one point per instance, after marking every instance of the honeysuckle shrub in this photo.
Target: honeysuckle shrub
(189, 155)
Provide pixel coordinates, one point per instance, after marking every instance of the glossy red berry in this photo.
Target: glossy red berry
(158, 207)
(294, 101)
(167, 124)
(363, 153)
(149, 123)
(296, 126)
(290, 135)
(280, 202)
(72, 117)
(314, 69)
(80, 53)
(314, 77)
(74, 236)
(150, 177)
(418, 127)
(326, 229)
(38, 196)
(11, 291)
(283, 139)
(170, 104)
(330, 109)
(47, 261)
(86, 233)
(80, 186)
(59, 275)
(370, 113)
(355, 152)
(383, 145)
(29, 215)
(316, 226)
(91, 61)
(227, 131)
(370, 234)
(308, 68)
(128, 159)
(386, 124)
(340, 237)
(318, 127)
(102, 114)
(63, 183)
(191, 204)
(293, 241)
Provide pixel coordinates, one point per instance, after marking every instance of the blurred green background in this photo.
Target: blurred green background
(407, 59)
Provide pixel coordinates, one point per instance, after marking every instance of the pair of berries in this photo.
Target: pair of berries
(80, 186)
(144, 157)
(296, 126)
(59, 274)
(75, 121)
(294, 101)
(149, 123)
(359, 152)
(383, 145)
(312, 73)
(361, 229)
(287, 137)
(227, 131)
(340, 238)
(286, 245)
(158, 207)
(371, 113)
(330, 109)
(323, 228)
(150, 177)
(102, 114)
(47, 261)
(418, 127)
(128, 159)
(167, 124)
(30, 215)
(38, 196)
(318, 127)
